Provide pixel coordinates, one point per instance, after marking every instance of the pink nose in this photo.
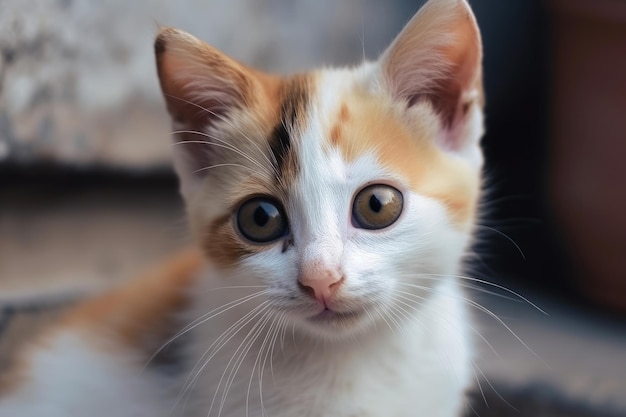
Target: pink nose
(321, 285)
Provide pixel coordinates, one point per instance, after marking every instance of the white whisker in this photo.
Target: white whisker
(472, 328)
(225, 120)
(268, 351)
(481, 281)
(280, 329)
(507, 237)
(257, 329)
(204, 318)
(494, 389)
(491, 314)
(221, 166)
(223, 340)
(223, 144)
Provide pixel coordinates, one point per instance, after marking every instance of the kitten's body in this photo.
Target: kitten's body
(409, 371)
(344, 305)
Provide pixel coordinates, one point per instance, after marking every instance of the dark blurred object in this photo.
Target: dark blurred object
(588, 147)
(533, 400)
(517, 240)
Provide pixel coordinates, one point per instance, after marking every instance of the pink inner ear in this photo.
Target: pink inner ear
(437, 57)
(201, 87)
(454, 105)
(200, 84)
(200, 96)
(195, 106)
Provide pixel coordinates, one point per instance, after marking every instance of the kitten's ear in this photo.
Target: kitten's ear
(438, 57)
(202, 87)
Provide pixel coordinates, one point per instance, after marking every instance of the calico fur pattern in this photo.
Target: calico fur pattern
(330, 318)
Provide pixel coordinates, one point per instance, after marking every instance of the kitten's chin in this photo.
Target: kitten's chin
(331, 316)
(336, 325)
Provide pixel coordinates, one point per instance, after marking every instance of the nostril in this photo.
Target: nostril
(306, 289)
(336, 284)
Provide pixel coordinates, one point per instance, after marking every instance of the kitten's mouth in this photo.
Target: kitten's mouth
(329, 315)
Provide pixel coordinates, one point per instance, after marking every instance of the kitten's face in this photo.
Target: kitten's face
(348, 193)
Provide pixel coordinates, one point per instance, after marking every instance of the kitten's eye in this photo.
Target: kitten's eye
(261, 220)
(377, 206)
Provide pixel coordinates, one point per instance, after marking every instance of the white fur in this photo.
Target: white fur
(72, 377)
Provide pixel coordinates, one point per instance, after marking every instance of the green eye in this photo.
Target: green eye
(377, 207)
(261, 220)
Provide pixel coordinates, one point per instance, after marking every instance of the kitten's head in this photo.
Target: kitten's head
(349, 193)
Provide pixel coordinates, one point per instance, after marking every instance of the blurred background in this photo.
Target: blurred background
(88, 198)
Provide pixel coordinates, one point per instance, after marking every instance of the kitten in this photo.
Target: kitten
(332, 210)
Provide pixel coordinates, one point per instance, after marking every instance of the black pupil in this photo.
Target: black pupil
(375, 204)
(261, 216)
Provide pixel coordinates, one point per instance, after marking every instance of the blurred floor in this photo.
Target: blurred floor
(568, 362)
(79, 232)
(62, 237)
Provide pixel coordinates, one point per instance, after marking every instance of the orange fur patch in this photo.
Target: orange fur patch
(336, 131)
(141, 314)
(222, 244)
(409, 151)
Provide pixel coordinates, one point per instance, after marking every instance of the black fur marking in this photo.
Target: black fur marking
(295, 100)
(159, 46)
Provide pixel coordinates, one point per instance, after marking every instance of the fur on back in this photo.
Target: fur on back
(332, 209)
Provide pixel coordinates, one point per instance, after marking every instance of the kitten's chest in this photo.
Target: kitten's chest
(397, 375)
(306, 386)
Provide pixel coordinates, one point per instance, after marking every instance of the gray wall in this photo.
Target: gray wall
(77, 79)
